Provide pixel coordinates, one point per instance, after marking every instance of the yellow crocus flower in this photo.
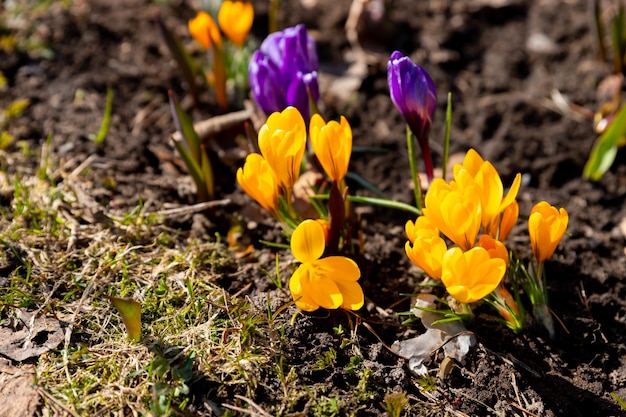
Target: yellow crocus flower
(471, 275)
(235, 19)
(455, 211)
(427, 253)
(422, 228)
(489, 186)
(204, 30)
(258, 180)
(546, 227)
(327, 282)
(282, 140)
(332, 143)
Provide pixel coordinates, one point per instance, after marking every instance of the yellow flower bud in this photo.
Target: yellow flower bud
(471, 275)
(235, 19)
(204, 30)
(546, 227)
(332, 143)
(258, 181)
(282, 140)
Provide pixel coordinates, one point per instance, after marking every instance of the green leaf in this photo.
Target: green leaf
(130, 310)
(187, 65)
(106, 119)
(192, 152)
(381, 202)
(207, 174)
(184, 125)
(605, 148)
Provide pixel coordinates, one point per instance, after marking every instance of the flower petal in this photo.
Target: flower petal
(352, 293)
(337, 268)
(298, 285)
(325, 292)
(307, 241)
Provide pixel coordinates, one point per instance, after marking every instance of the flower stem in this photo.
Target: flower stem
(417, 186)
(541, 311)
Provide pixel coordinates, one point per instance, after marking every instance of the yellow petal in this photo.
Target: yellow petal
(235, 19)
(471, 275)
(332, 144)
(510, 215)
(307, 241)
(352, 293)
(472, 161)
(455, 211)
(427, 253)
(337, 268)
(495, 248)
(510, 196)
(325, 292)
(546, 227)
(298, 285)
(422, 227)
(259, 181)
(282, 140)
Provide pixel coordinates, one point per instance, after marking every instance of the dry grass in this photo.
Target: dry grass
(63, 256)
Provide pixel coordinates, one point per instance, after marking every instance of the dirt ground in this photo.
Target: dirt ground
(502, 60)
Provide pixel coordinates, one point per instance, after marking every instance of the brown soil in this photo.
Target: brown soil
(481, 51)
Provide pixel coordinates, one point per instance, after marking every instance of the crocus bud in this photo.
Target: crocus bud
(204, 30)
(235, 19)
(414, 94)
(282, 70)
(546, 227)
(332, 143)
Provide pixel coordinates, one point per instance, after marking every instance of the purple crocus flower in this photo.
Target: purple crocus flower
(282, 69)
(414, 94)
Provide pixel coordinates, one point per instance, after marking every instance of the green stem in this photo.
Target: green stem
(417, 186)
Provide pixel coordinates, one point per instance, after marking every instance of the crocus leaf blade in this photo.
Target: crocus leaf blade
(106, 119)
(186, 64)
(207, 174)
(185, 127)
(192, 166)
(605, 148)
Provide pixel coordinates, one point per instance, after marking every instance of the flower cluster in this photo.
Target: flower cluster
(457, 210)
(283, 72)
(235, 20)
(265, 176)
(269, 177)
(473, 212)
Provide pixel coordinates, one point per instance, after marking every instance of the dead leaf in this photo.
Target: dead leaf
(18, 395)
(27, 336)
(452, 337)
